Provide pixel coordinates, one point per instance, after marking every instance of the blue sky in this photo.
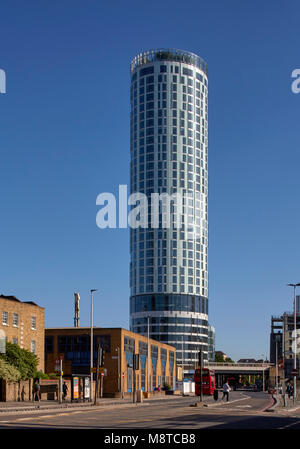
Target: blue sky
(64, 138)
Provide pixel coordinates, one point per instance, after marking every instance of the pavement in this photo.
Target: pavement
(288, 404)
(243, 410)
(10, 407)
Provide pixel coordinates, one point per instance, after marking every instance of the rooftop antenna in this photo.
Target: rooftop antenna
(76, 317)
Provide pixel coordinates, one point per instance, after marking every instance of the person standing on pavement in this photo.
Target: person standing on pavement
(65, 390)
(226, 389)
(37, 390)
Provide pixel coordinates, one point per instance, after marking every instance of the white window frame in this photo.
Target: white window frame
(33, 346)
(15, 320)
(5, 322)
(33, 323)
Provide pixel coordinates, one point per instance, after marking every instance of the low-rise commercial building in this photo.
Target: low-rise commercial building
(23, 323)
(282, 342)
(157, 367)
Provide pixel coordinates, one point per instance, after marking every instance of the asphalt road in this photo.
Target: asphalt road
(245, 410)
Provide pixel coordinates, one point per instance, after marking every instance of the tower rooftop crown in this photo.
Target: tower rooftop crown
(168, 54)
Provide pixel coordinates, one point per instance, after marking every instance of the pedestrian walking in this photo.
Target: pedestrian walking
(226, 389)
(65, 390)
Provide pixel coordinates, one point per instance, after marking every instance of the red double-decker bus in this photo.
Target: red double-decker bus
(208, 381)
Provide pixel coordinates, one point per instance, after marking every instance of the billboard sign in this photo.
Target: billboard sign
(75, 387)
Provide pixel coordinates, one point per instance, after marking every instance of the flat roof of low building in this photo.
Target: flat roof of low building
(87, 328)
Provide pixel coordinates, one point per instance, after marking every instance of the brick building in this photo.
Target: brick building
(73, 345)
(23, 322)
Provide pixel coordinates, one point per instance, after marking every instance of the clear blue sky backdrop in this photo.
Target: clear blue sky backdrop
(64, 138)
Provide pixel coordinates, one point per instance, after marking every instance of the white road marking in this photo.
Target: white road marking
(289, 425)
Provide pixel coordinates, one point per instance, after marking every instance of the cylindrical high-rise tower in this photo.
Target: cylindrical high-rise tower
(169, 143)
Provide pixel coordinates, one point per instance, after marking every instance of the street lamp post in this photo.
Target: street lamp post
(295, 339)
(276, 366)
(119, 369)
(148, 354)
(92, 346)
(263, 389)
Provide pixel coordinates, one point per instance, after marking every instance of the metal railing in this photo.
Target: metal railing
(168, 54)
(254, 365)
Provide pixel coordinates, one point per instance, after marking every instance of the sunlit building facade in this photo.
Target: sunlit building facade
(169, 155)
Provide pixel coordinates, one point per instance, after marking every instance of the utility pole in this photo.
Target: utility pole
(148, 355)
(99, 356)
(136, 367)
(92, 346)
(119, 370)
(60, 382)
(200, 354)
(276, 371)
(295, 339)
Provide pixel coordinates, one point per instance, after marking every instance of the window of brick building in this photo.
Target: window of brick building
(33, 346)
(15, 320)
(33, 323)
(5, 318)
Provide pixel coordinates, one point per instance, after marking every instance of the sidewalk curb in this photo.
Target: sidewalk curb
(70, 406)
(271, 408)
(281, 407)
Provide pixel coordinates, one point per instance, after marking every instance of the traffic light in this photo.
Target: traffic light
(136, 362)
(200, 360)
(100, 356)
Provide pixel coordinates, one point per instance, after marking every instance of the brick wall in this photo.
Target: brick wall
(23, 334)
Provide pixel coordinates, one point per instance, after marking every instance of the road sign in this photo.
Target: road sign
(294, 372)
(101, 370)
(57, 365)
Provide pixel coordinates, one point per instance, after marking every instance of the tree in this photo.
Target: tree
(25, 361)
(229, 360)
(219, 358)
(9, 372)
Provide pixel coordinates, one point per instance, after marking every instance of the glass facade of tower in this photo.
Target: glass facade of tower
(169, 145)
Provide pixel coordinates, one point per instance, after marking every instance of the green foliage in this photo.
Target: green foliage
(53, 376)
(25, 361)
(219, 358)
(9, 372)
(167, 387)
(229, 360)
(41, 375)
